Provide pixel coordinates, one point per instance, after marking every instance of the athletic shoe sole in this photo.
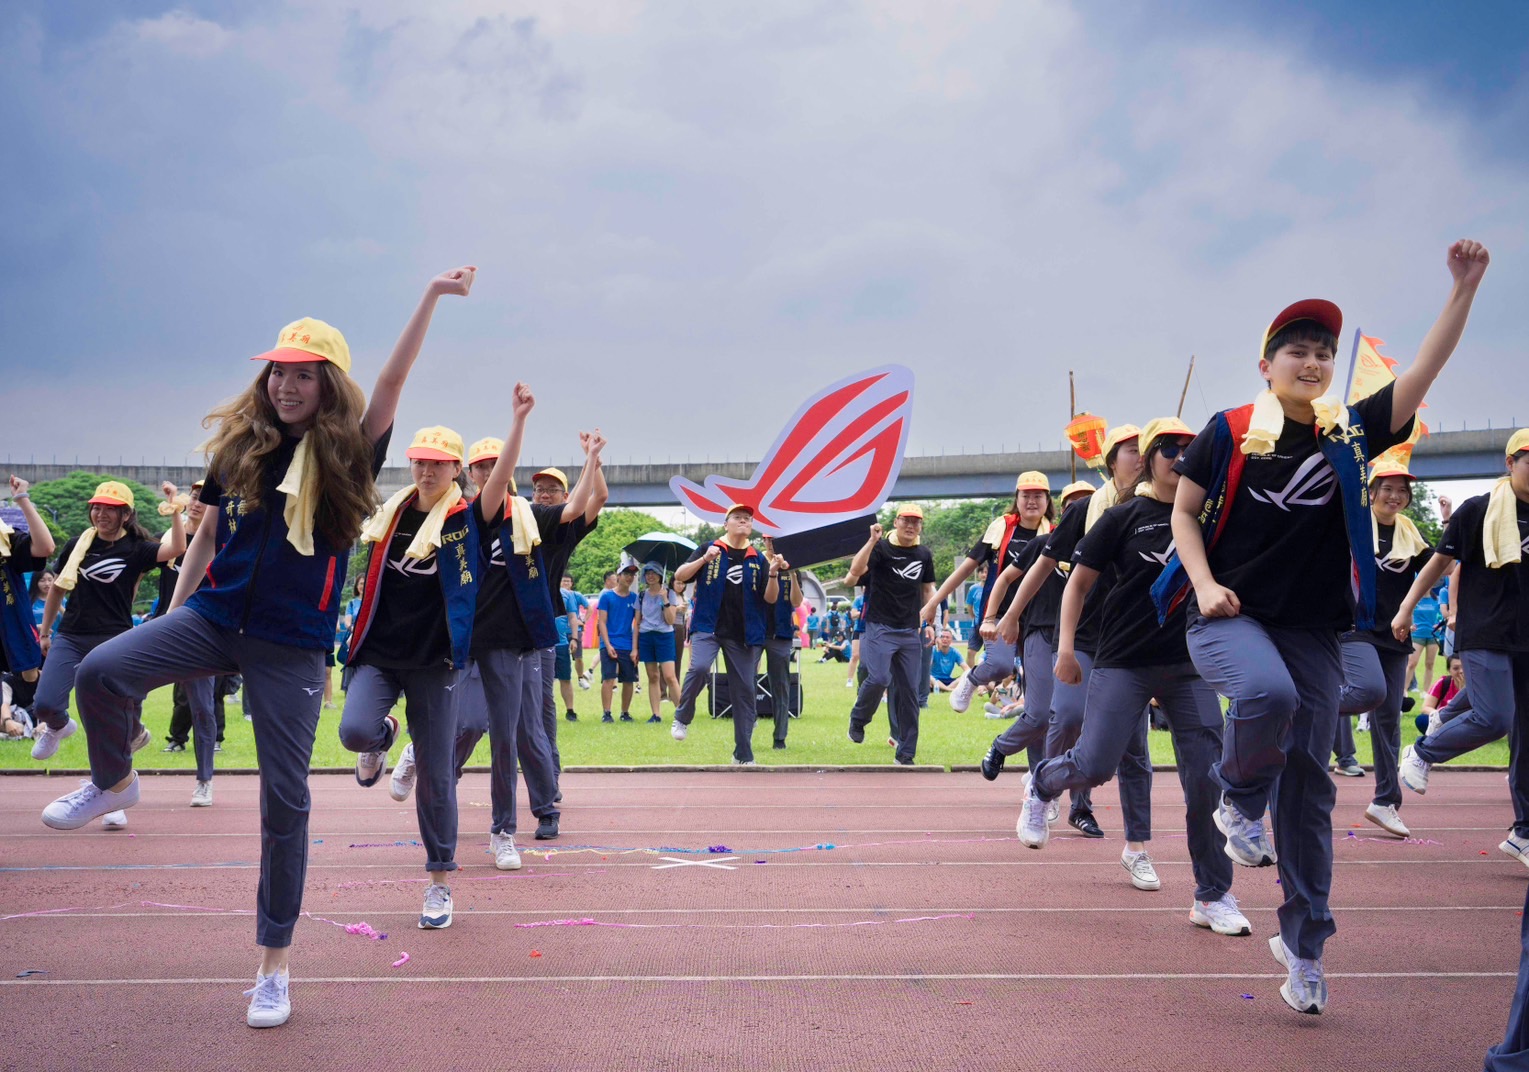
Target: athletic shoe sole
(1266, 860)
(1201, 920)
(1380, 822)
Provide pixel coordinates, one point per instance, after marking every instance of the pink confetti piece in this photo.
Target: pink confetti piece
(587, 922)
(401, 961)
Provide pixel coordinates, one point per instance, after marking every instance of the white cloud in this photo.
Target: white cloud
(668, 199)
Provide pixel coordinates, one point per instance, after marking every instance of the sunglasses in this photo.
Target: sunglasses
(1170, 450)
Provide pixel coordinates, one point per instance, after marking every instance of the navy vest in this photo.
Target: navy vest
(710, 584)
(528, 580)
(18, 630)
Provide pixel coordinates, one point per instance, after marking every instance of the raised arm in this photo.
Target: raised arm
(685, 571)
(382, 406)
(599, 493)
(1468, 262)
(43, 544)
(173, 544)
(579, 499)
(496, 488)
(862, 560)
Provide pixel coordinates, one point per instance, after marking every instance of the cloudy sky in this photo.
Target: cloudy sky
(687, 217)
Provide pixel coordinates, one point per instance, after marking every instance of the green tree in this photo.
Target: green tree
(1424, 511)
(600, 551)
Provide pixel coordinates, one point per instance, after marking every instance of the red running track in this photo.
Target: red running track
(926, 938)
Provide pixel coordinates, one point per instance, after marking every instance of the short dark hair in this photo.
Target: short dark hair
(1301, 331)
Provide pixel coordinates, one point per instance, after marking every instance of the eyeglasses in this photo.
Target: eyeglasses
(1170, 450)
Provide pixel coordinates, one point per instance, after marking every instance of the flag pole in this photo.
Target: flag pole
(1072, 406)
(1353, 365)
(1185, 392)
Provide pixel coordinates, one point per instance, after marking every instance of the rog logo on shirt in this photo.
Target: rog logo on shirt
(105, 571)
(1312, 484)
(1160, 557)
(912, 571)
(413, 567)
(735, 574)
(1390, 564)
(496, 553)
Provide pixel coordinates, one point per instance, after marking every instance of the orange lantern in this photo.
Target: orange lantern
(1086, 434)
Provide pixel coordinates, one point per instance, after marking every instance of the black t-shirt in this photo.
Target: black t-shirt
(1060, 546)
(558, 544)
(1132, 543)
(409, 630)
(1494, 603)
(983, 554)
(730, 621)
(1045, 607)
(1392, 580)
(500, 624)
(102, 602)
(1284, 548)
(897, 575)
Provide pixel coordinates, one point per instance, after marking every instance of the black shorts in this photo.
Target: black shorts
(623, 669)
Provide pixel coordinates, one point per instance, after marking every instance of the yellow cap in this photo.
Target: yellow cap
(309, 340)
(485, 450)
(1032, 480)
(1518, 441)
(555, 473)
(1117, 436)
(113, 493)
(1393, 463)
(435, 445)
(911, 510)
(1162, 426)
(1077, 487)
(733, 508)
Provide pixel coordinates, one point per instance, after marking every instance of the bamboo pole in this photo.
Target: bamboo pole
(1185, 392)
(1072, 405)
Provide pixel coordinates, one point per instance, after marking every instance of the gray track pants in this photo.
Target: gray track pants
(782, 700)
(430, 707)
(1284, 685)
(283, 687)
(1117, 700)
(51, 704)
(1499, 687)
(891, 658)
(513, 681)
(1373, 681)
(742, 666)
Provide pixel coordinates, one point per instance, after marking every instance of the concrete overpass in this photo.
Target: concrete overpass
(1458, 455)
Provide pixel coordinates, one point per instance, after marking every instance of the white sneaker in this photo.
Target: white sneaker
(584, 679)
(1221, 916)
(1363, 725)
(1054, 810)
(114, 820)
(1413, 771)
(1516, 847)
(1143, 874)
(506, 856)
(1435, 723)
(1305, 990)
(961, 695)
(1385, 817)
(850, 683)
(46, 740)
(1032, 828)
(270, 1000)
(141, 738)
(74, 810)
(403, 774)
(677, 730)
(371, 766)
(436, 915)
(201, 796)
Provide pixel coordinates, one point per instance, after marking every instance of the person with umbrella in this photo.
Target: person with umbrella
(654, 622)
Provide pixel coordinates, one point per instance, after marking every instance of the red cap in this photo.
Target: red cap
(1323, 312)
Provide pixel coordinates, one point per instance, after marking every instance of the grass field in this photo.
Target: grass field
(818, 737)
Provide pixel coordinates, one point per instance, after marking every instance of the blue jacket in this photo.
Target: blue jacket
(18, 629)
(258, 584)
(528, 580)
(457, 567)
(710, 584)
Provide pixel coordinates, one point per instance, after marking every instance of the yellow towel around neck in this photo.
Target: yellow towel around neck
(301, 487)
(523, 529)
(1406, 542)
(1268, 421)
(71, 575)
(1100, 501)
(1499, 535)
(5, 540)
(1144, 491)
(428, 538)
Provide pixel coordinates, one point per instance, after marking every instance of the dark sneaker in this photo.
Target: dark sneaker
(546, 829)
(626, 717)
(857, 734)
(607, 717)
(992, 763)
(173, 746)
(1085, 824)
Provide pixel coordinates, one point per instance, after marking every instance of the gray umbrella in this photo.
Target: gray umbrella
(666, 548)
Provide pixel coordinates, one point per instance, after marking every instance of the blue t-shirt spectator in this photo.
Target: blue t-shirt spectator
(571, 602)
(813, 623)
(618, 617)
(943, 665)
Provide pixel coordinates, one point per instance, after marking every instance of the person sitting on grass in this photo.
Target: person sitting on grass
(947, 663)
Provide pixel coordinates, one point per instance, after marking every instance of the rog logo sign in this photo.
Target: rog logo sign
(835, 460)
